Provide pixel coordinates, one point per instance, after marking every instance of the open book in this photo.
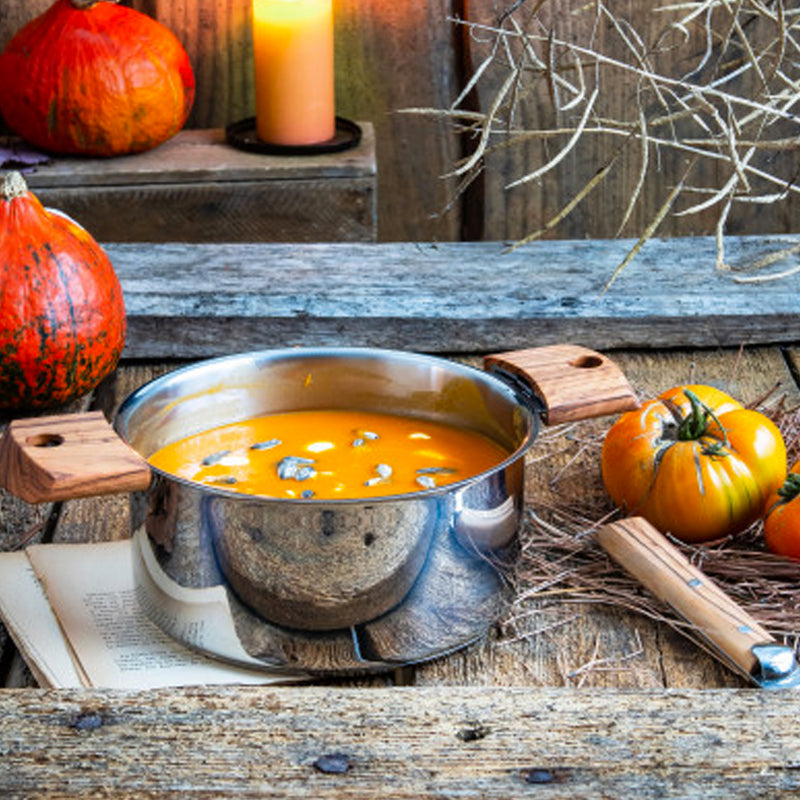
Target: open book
(72, 610)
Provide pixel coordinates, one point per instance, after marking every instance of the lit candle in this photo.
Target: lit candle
(293, 55)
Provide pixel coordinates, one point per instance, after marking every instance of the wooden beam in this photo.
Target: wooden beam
(203, 300)
(487, 742)
(197, 188)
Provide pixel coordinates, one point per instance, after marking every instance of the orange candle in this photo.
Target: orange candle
(293, 55)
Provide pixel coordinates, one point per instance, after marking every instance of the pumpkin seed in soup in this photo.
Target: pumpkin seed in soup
(397, 455)
(215, 458)
(426, 481)
(268, 445)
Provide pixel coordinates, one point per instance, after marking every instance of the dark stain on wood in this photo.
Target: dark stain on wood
(333, 764)
(474, 733)
(86, 721)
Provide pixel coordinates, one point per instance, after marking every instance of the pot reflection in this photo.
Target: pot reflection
(430, 582)
(342, 585)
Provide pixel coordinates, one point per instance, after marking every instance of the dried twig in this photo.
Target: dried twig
(561, 564)
(734, 105)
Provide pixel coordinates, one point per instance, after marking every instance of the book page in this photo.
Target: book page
(91, 589)
(33, 626)
(198, 617)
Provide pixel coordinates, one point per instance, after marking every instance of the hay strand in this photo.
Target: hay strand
(734, 104)
(561, 563)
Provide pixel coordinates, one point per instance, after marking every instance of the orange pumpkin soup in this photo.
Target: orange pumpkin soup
(330, 454)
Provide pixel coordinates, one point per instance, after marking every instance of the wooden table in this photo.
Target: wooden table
(599, 703)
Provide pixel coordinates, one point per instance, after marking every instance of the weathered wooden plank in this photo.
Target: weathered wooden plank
(197, 188)
(247, 211)
(199, 156)
(189, 301)
(399, 743)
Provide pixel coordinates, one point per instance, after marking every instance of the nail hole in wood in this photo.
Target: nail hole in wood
(45, 440)
(587, 362)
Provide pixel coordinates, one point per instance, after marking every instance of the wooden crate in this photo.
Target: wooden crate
(197, 188)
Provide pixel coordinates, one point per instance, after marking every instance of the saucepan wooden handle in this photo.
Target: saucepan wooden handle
(659, 566)
(572, 382)
(68, 456)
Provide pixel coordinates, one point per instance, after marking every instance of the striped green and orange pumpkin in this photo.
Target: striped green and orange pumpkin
(62, 314)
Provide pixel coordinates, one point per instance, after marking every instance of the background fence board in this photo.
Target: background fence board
(397, 55)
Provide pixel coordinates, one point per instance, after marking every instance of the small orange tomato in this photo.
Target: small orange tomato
(782, 521)
(694, 463)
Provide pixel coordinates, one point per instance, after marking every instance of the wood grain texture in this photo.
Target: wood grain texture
(197, 188)
(573, 382)
(515, 212)
(391, 57)
(188, 301)
(69, 455)
(398, 743)
(203, 156)
(250, 211)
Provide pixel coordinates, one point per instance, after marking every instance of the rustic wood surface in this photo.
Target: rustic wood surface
(201, 156)
(195, 301)
(399, 743)
(391, 57)
(197, 188)
(586, 698)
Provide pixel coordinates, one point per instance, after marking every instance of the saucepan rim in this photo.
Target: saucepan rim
(493, 381)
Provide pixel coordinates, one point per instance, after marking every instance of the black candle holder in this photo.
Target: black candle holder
(243, 136)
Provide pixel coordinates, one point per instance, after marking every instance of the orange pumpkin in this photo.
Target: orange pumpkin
(62, 315)
(89, 77)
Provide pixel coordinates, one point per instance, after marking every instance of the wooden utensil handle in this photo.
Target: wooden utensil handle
(649, 556)
(68, 456)
(572, 382)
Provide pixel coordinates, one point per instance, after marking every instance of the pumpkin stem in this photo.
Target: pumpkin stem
(14, 185)
(790, 488)
(694, 425)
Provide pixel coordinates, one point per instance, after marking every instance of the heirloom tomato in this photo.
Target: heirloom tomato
(694, 462)
(782, 522)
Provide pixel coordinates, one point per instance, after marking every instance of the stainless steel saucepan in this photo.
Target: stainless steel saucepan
(319, 585)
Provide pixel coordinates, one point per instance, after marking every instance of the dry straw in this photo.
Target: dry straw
(560, 562)
(713, 101)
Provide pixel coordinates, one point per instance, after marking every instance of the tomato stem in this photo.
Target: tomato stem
(695, 424)
(790, 488)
